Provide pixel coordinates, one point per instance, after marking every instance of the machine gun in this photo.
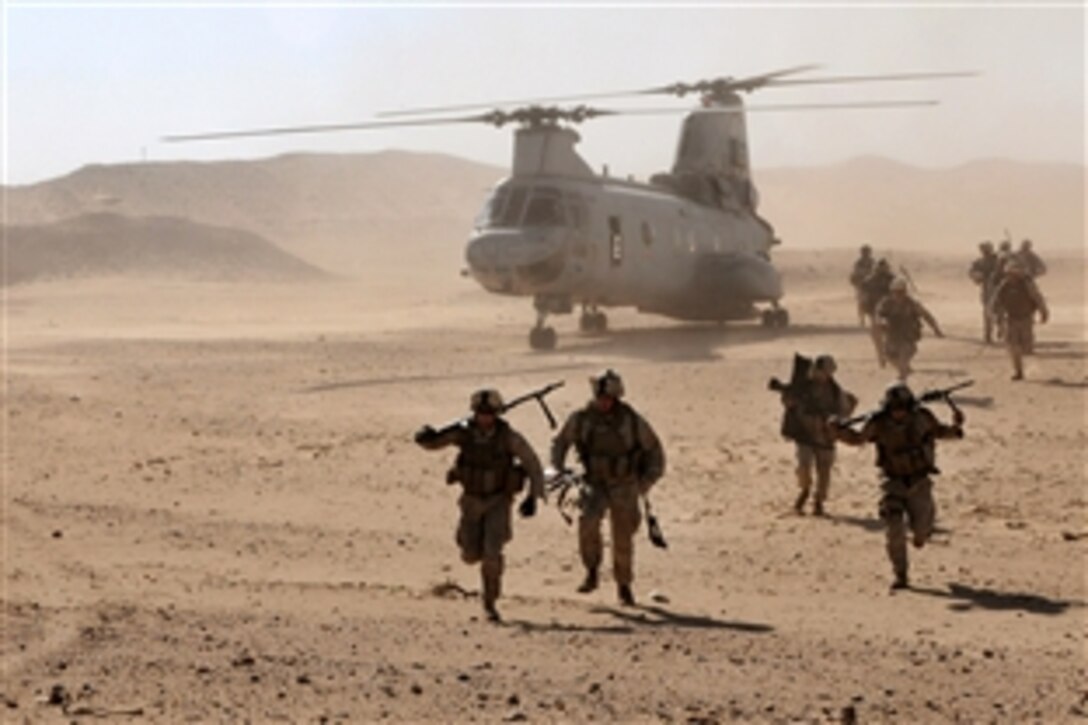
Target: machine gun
(927, 396)
(538, 395)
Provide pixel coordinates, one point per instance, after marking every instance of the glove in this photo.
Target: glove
(957, 417)
(527, 509)
(426, 434)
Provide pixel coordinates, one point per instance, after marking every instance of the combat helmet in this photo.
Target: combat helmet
(866, 250)
(898, 395)
(898, 285)
(486, 400)
(986, 246)
(825, 363)
(607, 383)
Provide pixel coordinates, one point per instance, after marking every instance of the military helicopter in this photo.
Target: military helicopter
(689, 245)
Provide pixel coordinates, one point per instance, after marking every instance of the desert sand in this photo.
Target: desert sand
(213, 511)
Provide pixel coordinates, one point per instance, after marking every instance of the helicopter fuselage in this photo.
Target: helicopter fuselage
(604, 242)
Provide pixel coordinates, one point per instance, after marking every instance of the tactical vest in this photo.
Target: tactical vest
(608, 443)
(1016, 299)
(904, 322)
(906, 449)
(485, 464)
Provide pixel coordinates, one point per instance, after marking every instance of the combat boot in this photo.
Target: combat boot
(799, 504)
(590, 583)
(492, 590)
(818, 508)
(626, 596)
(901, 581)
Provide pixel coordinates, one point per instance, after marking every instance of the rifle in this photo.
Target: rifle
(928, 396)
(538, 395)
(910, 280)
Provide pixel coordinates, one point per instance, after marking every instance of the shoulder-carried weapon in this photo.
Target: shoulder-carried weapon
(538, 395)
(927, 396)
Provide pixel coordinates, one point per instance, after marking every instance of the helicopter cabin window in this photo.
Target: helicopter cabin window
(647, 234)
(615, 241)
(576, 208)
(545, 208)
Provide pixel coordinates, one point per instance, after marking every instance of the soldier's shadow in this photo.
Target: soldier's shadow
(967, 598)
(527, 626)
(873, 524)
(654, 616)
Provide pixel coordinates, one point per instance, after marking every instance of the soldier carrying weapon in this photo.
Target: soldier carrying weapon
(812, 397)
(623, 458)
(905, 433)
(492, 466)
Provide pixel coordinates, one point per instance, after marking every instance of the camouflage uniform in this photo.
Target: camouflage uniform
(905, 435)
(491, 467)
(820, 400)
(901, 318)
(982, 273)
(1017, 298)
(874, 289)
(623, 458)
(863, 267)
(1031, 262)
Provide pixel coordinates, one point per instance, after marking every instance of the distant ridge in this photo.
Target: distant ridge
(107, 244)
(358, 213)
(892, 204)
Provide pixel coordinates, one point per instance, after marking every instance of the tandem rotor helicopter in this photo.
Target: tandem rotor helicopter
(689, 245)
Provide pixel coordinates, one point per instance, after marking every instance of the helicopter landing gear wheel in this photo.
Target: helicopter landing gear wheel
(775, 317)
(542, 338)
(593, 322)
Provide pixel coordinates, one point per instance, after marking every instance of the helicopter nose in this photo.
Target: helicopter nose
(515, 262)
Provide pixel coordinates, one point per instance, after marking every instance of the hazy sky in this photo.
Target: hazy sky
(102, 83)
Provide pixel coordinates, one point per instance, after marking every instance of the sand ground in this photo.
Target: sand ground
(213, 511)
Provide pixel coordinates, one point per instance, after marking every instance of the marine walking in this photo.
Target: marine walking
(623, 459)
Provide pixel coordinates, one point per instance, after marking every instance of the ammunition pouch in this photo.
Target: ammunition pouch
(515, 480)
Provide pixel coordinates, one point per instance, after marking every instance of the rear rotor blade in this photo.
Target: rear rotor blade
(740, 109)
(677, 89)
(865, 79)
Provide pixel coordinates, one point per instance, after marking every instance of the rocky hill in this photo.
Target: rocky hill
(109, 244)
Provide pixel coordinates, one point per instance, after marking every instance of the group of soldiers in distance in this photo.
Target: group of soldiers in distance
(622, 457)
(1007, 290)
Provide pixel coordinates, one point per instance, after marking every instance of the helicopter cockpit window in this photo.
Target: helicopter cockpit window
(545, 208)
(511, 215)
(492, 211)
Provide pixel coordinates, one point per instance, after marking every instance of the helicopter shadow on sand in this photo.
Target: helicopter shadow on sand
(656, 616)
(966, 598)
(473, 375)
(692, 342)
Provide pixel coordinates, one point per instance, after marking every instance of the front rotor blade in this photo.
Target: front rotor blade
(512, 102)
(322, 128)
